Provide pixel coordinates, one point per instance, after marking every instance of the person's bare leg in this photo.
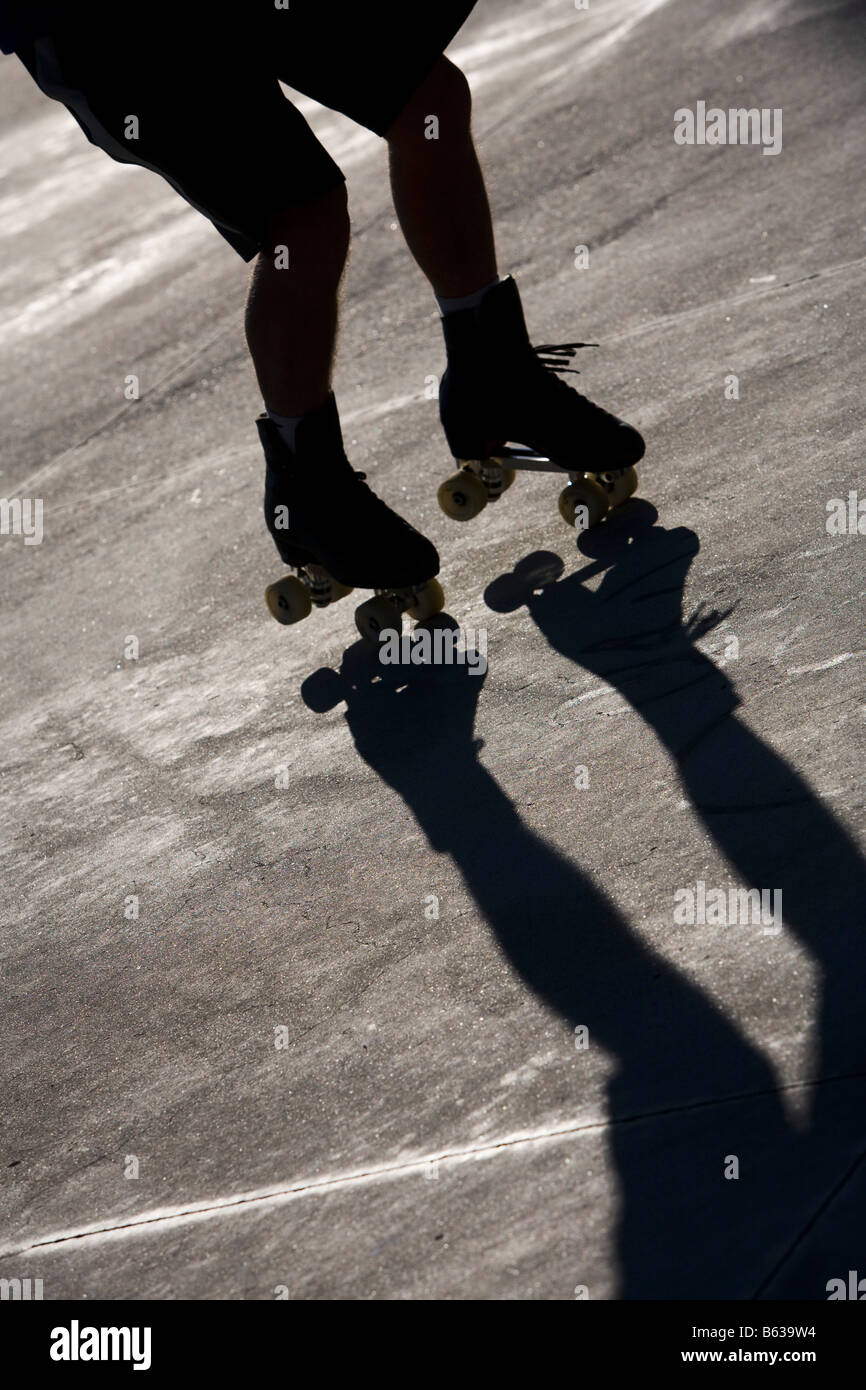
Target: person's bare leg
(318, 509)
(438, 187)
(291, 313)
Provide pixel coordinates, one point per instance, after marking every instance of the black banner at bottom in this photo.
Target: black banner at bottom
(160, 1338)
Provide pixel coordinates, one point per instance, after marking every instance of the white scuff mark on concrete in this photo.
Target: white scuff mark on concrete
(589, 695)
(87, 291)
(84, 175)
(821, 666)
(517, 42)
(49, 135)
(763, 17)
(375, 412)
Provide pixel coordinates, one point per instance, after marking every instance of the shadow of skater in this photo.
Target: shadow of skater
(686, 1232)
(770, 825)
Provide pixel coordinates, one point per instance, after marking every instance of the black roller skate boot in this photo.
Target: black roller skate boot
(333, 530)
(498, 392)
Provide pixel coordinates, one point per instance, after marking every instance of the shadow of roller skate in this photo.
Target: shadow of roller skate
(628, 630)
(361, 669)
(535, 572)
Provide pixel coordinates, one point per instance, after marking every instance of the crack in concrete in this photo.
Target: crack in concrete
(811, 1223)
(170, 1217)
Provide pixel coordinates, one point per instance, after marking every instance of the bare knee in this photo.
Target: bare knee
(439, 110)
(322, 224)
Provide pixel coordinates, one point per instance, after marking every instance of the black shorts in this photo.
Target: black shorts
(209, 114)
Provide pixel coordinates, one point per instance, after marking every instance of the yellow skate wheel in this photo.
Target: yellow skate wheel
(618, 486)
(379, 614)
(430, 600)
(462, 496)
(288, 600)
(508, 476)
(583, 503)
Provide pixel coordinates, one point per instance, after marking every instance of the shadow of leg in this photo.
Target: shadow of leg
(767, 821)
(676, 1054)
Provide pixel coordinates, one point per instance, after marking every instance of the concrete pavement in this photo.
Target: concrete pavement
(338, 1043)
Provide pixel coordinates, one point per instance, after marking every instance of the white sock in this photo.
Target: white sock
(468, 301)
(287, 425)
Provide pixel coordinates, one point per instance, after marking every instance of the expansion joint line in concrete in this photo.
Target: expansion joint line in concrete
(810, 1224)
(170, 1217)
